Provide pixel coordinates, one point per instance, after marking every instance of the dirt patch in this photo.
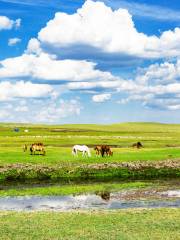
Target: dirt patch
(174, 164)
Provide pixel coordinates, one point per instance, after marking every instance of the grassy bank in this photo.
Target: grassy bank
(96, 172)
(59, 190)
(159, 224)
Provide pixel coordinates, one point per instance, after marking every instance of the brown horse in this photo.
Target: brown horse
(137, 145)
(37, 147)
(98, 150)
(103, 150)
(25, 147)
(106, 150)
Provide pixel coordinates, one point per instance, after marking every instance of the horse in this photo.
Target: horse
(103, 149)
(39, 147)
(137, 145)
(98, 150)
(106, 150)
(25, 147)
(81, 148)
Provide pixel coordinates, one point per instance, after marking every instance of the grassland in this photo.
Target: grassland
(63, 156)
(161, 143)
(159, 224)
(121, 135)
(158, 159)
(69, 189)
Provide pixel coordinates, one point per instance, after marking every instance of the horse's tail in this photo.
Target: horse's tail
(31, 149)
(73, 151)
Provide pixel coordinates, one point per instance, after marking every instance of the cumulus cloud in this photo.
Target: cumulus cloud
(33, 47)
(7, 24)
(13, 41)
(20, 89)
(38, 111)
(54, 112)
(101, 97)
(47, 67)
(157, 86)
(162, 73)
(88, 27)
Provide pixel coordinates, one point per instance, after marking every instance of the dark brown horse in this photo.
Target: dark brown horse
(137, 145)
(103, 150)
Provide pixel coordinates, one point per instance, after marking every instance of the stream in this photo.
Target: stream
(100, 201)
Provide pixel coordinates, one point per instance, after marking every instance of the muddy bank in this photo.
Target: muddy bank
(98, 172)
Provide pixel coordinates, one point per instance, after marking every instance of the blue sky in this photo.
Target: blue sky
(89, 61)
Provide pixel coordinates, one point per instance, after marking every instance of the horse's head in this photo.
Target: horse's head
(110, 153)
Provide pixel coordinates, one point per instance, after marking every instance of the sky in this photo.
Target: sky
(76, 61)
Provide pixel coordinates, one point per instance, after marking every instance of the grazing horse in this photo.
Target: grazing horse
(106, 150)
(98, 150)
(39, 147)
(25, 147)
(103, 150)
(81, 148)
(137, 145)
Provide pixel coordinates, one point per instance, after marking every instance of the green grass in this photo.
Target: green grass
(159, 224)
(73, 189)
(161, 142)
(151, 134)
(63, 156)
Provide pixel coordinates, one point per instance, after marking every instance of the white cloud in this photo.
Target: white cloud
(89, 27)
(33, 47)
(38, 111)
(163, 73)
(17, 23)
(20, 89)
(101, 97)
(54, 112)
(93, 85)
(46, 67)
(157, 86)
(13, 41)
(7, 24)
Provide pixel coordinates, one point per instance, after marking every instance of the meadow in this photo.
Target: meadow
(161, 143)
(59, 173)
(134, 224)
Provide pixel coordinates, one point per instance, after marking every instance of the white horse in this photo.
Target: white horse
(81, 148)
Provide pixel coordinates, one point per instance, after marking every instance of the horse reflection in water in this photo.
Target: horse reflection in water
(105, 195)
(81, 148)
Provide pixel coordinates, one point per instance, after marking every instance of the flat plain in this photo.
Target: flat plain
(161, 147)
(160, 141)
